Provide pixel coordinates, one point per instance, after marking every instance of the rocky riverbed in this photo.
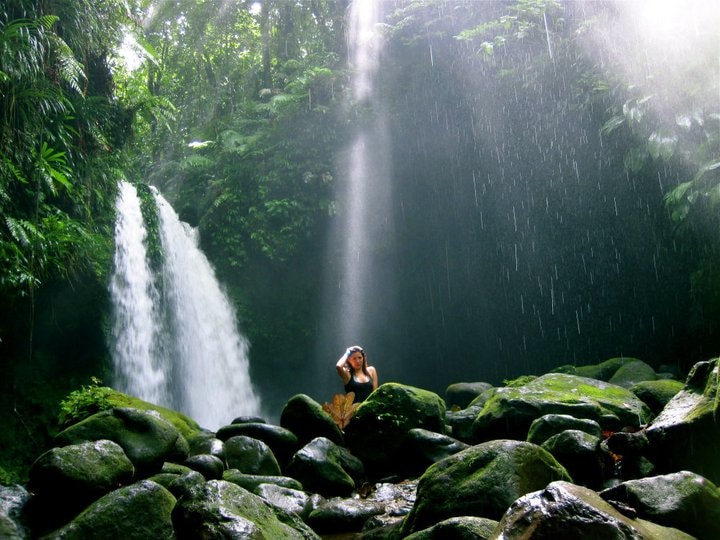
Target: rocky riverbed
(612, 450)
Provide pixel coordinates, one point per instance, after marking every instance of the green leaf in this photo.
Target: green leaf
(612, 124)
(661, 144)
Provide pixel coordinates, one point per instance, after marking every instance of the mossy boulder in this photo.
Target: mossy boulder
(282, 441)
(458, 528)
(603, 371)
(114, 399)
(423, 448)
(225, 510)
(685, 435)
(551, 424)
(581, 455)
(481, 481)
(252, 481)
(211, 467)
(565, 510)
(337, 516)
(323, 467)
(306, 418)
(633, 372)
(657, 394)
(378, 432)
(88, 470)
(250, 456)
(293, 501)
(147, 438)
(683, 500)
(136, 512)
(179, 484)
(511, 410)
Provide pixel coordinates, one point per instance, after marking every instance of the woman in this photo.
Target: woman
(357, 376)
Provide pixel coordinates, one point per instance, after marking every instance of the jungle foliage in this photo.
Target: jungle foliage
(237, 112)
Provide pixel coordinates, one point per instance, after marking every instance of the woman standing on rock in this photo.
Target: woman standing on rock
(355, 373)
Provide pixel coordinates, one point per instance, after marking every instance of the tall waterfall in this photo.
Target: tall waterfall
(181, 347)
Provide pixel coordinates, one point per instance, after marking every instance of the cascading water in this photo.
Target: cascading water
(212, 355)
(181, 348)
(135, 306)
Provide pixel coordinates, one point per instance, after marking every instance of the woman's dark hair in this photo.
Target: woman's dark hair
(357, 348)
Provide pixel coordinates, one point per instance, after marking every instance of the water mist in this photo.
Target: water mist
(358, 297)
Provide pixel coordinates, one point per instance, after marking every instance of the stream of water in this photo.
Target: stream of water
(177, 342)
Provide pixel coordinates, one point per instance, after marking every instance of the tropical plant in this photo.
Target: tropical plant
(86, 401)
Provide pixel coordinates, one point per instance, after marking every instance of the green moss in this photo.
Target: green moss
(520, 381)
(84, 402)
(93, 398)
(151, 218)
(604, 370)
(7, 478)
(184, 424)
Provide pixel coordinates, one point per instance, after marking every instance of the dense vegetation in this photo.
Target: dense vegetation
(237, 111)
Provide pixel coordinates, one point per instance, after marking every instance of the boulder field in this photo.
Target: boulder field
(613, 450)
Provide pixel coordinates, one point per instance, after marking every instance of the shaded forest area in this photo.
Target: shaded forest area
(553, 193)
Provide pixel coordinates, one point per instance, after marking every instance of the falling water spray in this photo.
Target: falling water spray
(135, 306)
(364, 195)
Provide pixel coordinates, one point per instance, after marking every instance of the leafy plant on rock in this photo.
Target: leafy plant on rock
(84, 402)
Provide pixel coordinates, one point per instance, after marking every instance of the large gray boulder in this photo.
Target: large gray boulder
(564, 510)
(511, 410)
(306, 418)
(323, 467)
(251, 456)
(136, 512)
(378, 432)
(225, 510)
(460, 394)
(683, 500)
(685, 435)
(146, 437)
(481, 481)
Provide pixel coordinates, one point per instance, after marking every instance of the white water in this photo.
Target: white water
(182, 348)
(135, 306)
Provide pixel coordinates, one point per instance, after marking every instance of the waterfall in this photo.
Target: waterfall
(135, 306)
(191, 356)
